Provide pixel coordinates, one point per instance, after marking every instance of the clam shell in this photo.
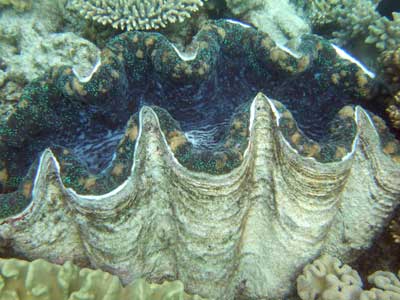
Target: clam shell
(247, 232)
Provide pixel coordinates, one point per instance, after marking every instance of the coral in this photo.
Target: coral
(41, 280)
(47, 52)
(388, 287)
(395, 229)
(352, 21)
(238, 7)
(279, 19)
(328, 279)
(357, 24)
(393, 111)
(30, 45)
(347, 19)
(210, 182)
(137, 14)
(390, 62)
(385, 33)
(17, 4)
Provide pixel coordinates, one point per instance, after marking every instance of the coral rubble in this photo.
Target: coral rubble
(211, 181)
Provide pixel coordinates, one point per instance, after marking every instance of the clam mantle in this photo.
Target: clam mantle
(245, 233)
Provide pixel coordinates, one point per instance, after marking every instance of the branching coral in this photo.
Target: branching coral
(385, 33)
(358, 21)
(39, 279)
(137, 14)
(390, 62)
(350, 19)
(347, 18)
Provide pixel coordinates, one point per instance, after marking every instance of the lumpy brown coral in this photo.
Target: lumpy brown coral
(393, 111)
(395, 229)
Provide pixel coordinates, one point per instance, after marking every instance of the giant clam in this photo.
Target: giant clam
(235, 198)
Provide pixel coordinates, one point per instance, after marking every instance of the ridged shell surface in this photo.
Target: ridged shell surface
(246, 233)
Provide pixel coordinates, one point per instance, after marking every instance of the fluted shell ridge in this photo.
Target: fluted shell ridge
(195, 86)
(246, 232)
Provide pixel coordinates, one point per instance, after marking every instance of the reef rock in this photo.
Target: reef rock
(31, 44)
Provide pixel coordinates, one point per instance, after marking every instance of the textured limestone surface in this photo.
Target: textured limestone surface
(30, 45)
(246, 233)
